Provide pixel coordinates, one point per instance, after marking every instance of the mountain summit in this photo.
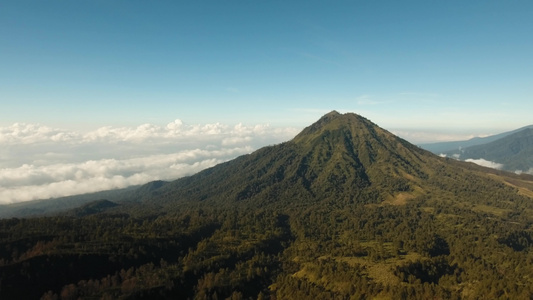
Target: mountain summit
(341, 156)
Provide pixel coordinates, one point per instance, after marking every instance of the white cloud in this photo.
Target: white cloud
(456, 156)
(22, 133)
(486, 163)
(530, 171)
(235, 140)
(39, 162)
(32, 182)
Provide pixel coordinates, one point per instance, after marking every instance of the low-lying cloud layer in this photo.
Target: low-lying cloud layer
(486, 163)
(39, 162)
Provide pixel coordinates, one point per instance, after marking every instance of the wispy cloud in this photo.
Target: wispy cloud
(486, 163)
(530, 171)
(39, 162)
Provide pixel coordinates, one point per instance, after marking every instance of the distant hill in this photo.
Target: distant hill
(345, 210)
(93, 208)
(514, 151)
(442, 147)
(63, 204)
(55, 205)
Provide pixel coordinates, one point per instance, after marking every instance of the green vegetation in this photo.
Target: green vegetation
(346, 210)
(514, 151)
(441, 147)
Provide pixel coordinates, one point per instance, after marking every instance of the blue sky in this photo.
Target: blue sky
(403, 64)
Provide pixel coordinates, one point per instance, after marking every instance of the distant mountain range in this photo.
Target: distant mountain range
(345, 210)
(510, 151)
(55, 205)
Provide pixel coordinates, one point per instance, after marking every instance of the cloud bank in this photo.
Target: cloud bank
(40, 162)
(486, 163)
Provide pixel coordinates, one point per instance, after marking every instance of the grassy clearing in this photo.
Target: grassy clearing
(490, 210)
(403, 197)
(382, 271)
(399, 199)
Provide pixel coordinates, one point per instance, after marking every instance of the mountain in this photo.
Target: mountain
(442, 147)
(344, 210)
(63, 204)
(340, 155)
(67, 204)
(513, 152)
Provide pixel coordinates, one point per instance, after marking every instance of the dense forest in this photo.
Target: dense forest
(345, 210)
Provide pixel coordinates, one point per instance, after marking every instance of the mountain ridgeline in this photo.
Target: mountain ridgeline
(441, 147)
(340, 156)
(514, 152)
(344, 210)
(511, 151)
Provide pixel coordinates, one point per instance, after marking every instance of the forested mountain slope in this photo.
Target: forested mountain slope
(345, 210)
(514, 152)
(441, 147)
